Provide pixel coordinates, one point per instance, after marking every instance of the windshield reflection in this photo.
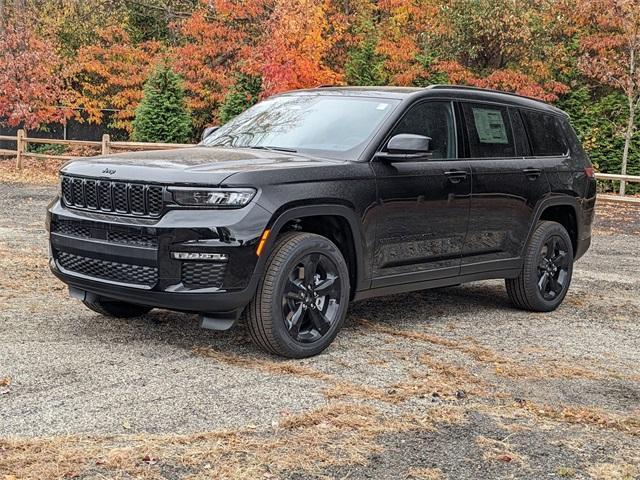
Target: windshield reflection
(333, 126)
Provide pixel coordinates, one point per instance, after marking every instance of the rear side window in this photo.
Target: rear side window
(545, 133)
(489, 131)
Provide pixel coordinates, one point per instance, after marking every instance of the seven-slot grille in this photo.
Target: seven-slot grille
(113, 197)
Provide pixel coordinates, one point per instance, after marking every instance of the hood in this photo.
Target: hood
(191, 165)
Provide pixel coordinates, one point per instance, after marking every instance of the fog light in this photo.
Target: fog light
(212, 257)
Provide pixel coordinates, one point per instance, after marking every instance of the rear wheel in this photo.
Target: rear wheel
(114, 308)
(302, 299)
(546, 272)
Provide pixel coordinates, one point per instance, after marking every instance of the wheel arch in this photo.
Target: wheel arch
(564, 210)
(354, 253)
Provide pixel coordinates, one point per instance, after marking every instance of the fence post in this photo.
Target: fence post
(20, 147)
(106, 144)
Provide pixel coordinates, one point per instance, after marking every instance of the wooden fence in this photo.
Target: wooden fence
(107, 146)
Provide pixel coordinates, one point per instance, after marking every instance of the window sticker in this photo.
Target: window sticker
(490, 126)
(382, 106)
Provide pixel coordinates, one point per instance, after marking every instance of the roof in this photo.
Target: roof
(447, 91)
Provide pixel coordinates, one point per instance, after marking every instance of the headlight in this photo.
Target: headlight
(213, 197)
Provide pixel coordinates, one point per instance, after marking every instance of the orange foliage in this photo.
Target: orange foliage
(111, 74)
(403, 23)
(31, 90)
(220, 40)
(298, 42)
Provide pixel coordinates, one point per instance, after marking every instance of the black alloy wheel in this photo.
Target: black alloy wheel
(311, 298)
(302, 298)
(547, 266)
(553, 269)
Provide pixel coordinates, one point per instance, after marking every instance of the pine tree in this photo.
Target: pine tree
(162, 116)
(242, 95)
(364, 65)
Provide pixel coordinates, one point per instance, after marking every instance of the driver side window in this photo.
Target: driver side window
(434, 120)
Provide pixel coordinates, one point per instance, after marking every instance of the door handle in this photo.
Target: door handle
(532, 173)
(456, 176)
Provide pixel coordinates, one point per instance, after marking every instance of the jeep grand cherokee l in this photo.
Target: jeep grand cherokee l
(315, 198)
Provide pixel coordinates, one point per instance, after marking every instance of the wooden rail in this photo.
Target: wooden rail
(106, 146)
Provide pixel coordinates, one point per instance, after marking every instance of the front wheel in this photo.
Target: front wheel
(302, 299)
(546, 271)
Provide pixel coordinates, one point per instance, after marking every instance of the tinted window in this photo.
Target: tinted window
(489, 131)
(434, 120)
(545, 133)
(519, 134)
(335, 126)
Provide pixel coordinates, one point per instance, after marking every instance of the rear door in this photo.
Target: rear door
(507, 183)
(549, 146)
(423, 206)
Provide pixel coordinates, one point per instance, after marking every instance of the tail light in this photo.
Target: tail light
(589, 171)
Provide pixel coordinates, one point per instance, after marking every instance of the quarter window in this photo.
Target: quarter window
(545, 133)
(489, 131)
(434, 120)
(519, 134)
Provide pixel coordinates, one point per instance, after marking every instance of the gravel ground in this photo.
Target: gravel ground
(508, 394)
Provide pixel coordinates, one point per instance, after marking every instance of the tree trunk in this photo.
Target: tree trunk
(628, 135)
(632, 95)
(1, 17)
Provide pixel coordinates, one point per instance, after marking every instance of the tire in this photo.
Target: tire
(289, 316)
(546, 271)
(114, 308)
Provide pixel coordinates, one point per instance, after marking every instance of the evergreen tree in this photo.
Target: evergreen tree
(242, 95)
(162, 116)
(365, 66)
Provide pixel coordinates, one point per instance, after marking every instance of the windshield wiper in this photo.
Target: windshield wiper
(272, 148)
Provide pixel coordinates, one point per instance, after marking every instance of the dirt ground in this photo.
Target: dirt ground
(443, 384)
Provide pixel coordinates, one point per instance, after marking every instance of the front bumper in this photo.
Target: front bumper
(129, 259)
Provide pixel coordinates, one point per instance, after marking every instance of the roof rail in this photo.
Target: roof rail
(468, 87)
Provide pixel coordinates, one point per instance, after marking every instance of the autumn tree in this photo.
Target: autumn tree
(109, 76)
(506, 45)
(610, 48)
(31, 90)
(162, 115)
(403, 26)
(220, 41)
(298, 39)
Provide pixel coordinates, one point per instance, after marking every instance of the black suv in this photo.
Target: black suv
(314, 198)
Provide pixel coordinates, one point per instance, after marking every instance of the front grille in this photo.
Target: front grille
(132, 239)
(202, 275)
(113, 197)
(74, 229)
(71, 229)
(105, 270)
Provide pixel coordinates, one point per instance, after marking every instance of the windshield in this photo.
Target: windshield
(332, 126)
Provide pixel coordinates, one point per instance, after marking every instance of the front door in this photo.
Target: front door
(507, 183)
(423, 206)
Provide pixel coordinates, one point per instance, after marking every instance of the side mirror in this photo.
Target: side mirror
(406, 147)
(208, 131)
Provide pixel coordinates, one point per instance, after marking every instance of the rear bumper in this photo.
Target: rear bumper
(130, 259)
